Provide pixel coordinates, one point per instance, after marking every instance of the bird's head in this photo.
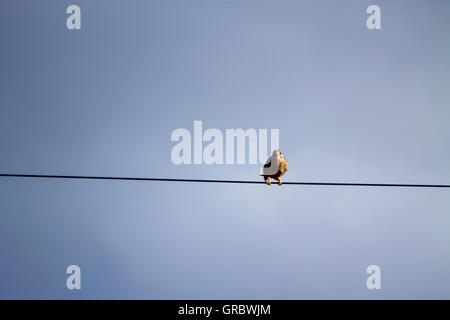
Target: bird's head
(277, 154)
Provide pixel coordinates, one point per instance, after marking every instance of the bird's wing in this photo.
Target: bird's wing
(271, 167)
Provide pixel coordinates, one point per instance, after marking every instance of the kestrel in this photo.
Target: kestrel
(275, 167)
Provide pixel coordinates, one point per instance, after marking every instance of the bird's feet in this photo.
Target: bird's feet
(268, 182)
(279, 182)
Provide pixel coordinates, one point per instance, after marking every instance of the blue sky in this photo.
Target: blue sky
(352, 105)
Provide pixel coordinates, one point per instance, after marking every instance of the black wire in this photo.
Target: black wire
(226, 181)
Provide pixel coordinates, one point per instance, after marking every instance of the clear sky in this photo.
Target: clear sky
(351, 104)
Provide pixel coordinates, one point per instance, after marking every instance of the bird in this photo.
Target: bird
(275, 167)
